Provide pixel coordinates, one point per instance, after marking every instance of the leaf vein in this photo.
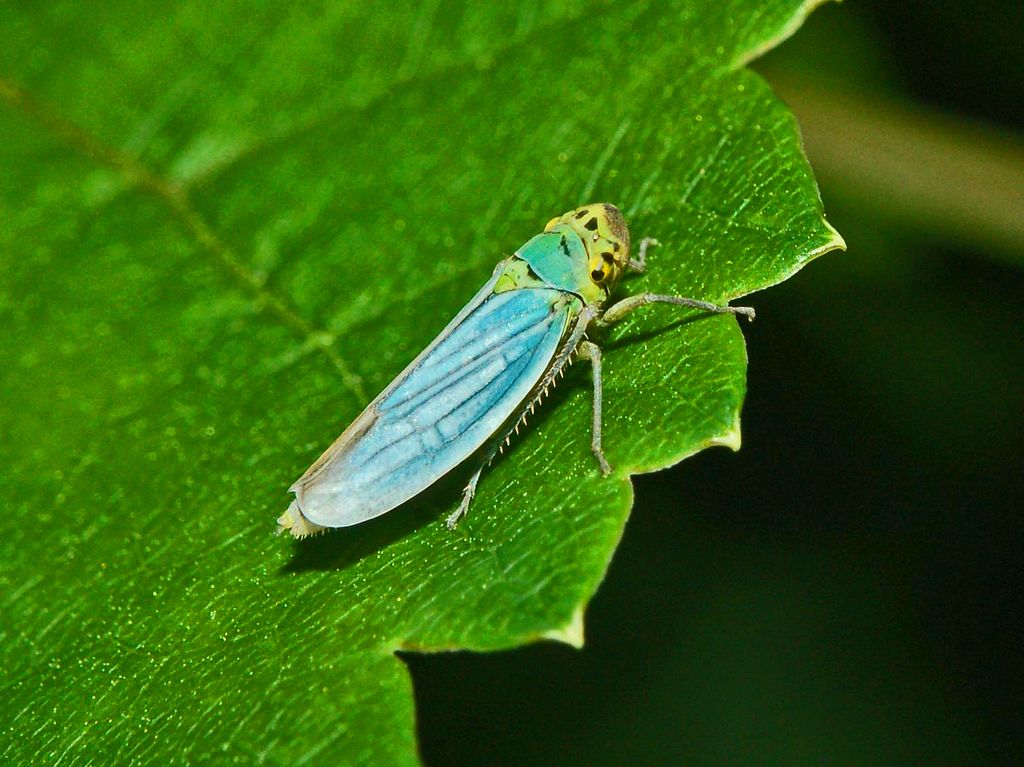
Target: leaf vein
(174, 197)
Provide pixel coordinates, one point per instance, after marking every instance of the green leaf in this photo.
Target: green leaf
(222, 228)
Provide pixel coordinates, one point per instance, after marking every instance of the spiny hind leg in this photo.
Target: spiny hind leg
(558, 366)
(592, 352)
(467, 497)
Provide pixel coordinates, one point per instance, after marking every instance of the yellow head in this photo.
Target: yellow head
(603, 231)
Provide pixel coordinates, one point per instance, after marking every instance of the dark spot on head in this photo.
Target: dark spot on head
(608, 258)
(591, 224)
(597, 275)
(615, 247)
(582, 213)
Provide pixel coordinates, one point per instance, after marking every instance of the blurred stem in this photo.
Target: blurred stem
(945, 177)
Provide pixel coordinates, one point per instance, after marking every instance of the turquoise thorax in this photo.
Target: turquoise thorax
(560, 259)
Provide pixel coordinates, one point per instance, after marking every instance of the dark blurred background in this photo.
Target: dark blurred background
(845, 590)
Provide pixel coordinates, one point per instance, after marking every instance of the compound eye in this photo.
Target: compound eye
(597, 275)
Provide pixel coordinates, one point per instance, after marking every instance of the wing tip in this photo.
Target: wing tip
(296, 523)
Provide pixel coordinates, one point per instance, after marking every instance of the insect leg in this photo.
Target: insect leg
(639, 264)
(625, 306)
(558, 365)
(592, 352)
(467, 497)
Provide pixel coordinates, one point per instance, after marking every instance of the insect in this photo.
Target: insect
(471, 388)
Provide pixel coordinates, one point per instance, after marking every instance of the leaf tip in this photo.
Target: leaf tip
(572, 632)
(792, 25)
(732, 439)
(835, 241)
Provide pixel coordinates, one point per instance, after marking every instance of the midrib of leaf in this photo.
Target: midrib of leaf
(176, 201)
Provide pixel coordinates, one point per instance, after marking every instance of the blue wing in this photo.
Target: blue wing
(441, 408)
